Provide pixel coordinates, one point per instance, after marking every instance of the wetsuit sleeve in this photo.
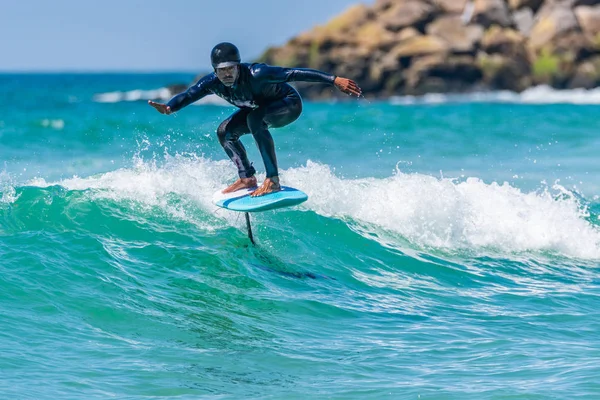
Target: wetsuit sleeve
(272, 74)
(194, 93)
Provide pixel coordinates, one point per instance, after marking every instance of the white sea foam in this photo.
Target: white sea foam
(8, 194)
(57, 124)
(132, 95)
(535, 95)
(150, 186)
(157, 94)
(424, 210)
(444, 213)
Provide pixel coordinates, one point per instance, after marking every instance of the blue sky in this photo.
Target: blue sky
(150, 35)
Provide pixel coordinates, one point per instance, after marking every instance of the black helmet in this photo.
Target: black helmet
(224, 55)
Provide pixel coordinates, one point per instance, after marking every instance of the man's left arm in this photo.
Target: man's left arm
(273, 74)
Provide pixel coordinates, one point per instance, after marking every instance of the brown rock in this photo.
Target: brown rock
(303, 39)
(504, 41)
(460, 38)
(451, 6)
(553, 69)
(347, 54)
(383, 5)
(354, 71)
(589, 20)
(504, 73)
(327, 38)
(436, 73)
(384, 74)
(340, 30)
(381, 64)
(505, 63)
(587, 74)
(407, 33)
(287, 56)
(394, 84)
(419, 46)
(524, 20)
(488, 12)
(373, 34)
(578, 3)
(402, 14)
(572, 45)
(553, 20)
(381, 68)
(531, 4)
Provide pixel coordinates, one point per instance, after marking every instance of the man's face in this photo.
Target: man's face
(227, 75)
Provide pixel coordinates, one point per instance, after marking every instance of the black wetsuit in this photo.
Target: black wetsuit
(264, 99)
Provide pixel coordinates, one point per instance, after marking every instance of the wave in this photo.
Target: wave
(448, 214)
(415, 210)
(156, 94)
(535, 95)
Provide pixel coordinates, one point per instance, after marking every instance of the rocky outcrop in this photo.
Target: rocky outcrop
(397, 47)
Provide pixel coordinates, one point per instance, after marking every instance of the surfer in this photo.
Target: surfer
(264, 99)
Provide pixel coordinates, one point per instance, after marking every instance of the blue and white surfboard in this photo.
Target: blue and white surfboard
(242, 201)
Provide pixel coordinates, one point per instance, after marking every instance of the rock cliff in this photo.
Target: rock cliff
(400, 47)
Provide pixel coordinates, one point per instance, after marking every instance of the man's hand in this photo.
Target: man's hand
(347, 86)
(161, 108)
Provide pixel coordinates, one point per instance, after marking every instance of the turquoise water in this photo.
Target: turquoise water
(449, 249)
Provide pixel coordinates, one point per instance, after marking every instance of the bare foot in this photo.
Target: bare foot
(242, 183)
(270, 185)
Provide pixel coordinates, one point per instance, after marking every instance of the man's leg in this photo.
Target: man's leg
(277, 114)
(229, 133)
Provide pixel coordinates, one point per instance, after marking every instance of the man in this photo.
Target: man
(264, 100)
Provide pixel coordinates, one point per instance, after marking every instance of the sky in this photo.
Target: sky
(149, 35)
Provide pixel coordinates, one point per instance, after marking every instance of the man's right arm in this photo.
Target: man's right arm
(194, 93)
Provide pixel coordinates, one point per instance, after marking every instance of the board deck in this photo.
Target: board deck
(242, 201)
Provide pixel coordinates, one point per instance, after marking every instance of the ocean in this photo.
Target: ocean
(449, 249)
